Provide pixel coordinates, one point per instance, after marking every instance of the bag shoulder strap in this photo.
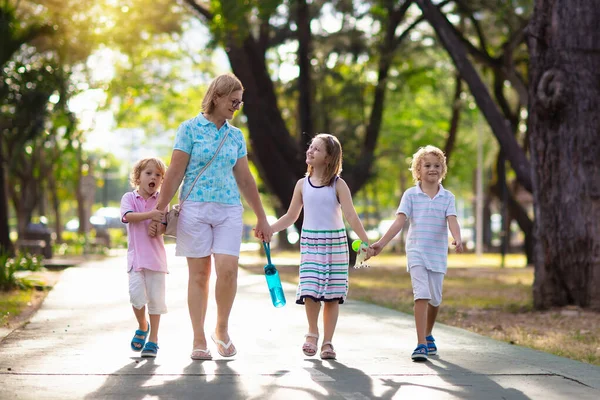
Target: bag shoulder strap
(205, 167)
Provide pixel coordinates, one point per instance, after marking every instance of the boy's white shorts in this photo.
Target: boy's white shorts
(427, 285)
(209, 228)
(148, 288)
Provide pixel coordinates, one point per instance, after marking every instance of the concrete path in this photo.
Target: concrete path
(77, 347)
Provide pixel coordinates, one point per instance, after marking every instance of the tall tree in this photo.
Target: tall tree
(13, 34)
(36, 37)
(37, 123)
(564, 43)
(247, 33)
(488, 107)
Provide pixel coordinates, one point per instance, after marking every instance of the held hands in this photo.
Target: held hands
(154, 228)
(375, 249)
(263, 231)
(161, 228)
(157, 215)
(370, 253)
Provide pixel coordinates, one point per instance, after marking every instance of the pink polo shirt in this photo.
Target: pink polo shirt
(143, 251)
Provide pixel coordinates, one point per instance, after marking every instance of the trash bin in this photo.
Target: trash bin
(40, 232)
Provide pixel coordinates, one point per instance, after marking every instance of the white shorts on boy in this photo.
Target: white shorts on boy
(427, 285)
(148, 288)
(209, 228)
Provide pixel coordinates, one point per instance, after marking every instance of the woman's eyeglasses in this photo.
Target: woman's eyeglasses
(236, 103)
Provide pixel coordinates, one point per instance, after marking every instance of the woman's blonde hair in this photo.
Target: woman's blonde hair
(417, 158)
(222, 85)
(334, 157)
(134, 178)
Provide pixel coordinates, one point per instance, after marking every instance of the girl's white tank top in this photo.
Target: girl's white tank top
(322, 209)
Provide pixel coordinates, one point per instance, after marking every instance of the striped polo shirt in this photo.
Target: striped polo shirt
(427, 239)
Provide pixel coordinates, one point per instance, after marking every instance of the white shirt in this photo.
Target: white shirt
(427, 239)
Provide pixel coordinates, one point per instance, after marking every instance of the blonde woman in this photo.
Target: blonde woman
(210, 222)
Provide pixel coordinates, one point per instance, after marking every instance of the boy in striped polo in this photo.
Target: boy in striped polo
(431, 211)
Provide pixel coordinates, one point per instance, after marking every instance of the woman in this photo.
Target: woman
(210, 222)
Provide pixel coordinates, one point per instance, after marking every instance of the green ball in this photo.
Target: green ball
(356, 244)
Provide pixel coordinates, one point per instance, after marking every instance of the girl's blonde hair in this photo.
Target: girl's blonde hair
(417, 158)
(222, 85)
(334, 157)
(134, 178)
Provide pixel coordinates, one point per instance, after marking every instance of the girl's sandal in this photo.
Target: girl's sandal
(308, 348)
(328, 354)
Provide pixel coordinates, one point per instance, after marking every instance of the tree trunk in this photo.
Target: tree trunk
(55, 207)
(304, 80)
(275, 154)
(495, 119)
(564, 47)
(454, 120)
(5, 243)
(25, 200)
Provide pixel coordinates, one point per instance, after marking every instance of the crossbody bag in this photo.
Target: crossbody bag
(173, 214)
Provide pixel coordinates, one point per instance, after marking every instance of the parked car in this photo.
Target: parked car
(104, 218)
(107, 217)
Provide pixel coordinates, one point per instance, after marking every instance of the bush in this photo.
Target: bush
(10, 265)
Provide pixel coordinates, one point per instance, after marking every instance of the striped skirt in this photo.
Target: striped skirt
(323, 266)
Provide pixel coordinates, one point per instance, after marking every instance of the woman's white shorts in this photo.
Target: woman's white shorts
(209, 228)
(427, 285)
(148, 287)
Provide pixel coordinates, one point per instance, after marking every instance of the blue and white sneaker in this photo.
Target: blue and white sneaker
(150, 350)
(420, 353)
(431, 347)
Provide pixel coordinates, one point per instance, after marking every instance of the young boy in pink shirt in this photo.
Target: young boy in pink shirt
(146, 256)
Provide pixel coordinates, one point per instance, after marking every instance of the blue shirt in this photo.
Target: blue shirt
(200, 139)
(427, 239)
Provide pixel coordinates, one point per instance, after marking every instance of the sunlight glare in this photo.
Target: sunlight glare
(329, 21)
(54, 98)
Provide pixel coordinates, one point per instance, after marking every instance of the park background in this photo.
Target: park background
(88, 88)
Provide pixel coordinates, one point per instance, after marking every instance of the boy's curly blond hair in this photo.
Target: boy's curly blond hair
(134, 178)
(417, 158)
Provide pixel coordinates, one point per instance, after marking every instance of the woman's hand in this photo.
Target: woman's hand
(263, 230)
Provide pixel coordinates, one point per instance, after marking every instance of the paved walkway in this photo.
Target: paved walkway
(77, 347)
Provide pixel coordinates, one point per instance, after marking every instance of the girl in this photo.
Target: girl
(146, 256)
(323, 243)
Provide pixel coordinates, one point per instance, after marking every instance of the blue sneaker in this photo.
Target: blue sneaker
(431, 347)
(150, 350)
(420, 353)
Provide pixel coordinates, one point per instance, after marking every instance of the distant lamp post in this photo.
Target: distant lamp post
(104, 164)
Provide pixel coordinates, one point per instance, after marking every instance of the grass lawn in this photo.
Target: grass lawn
(17, 306)
(13, 303)
(478, 296)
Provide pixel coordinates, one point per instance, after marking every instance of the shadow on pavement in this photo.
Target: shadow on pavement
(346, 377)
(141, 380)
(472, 385)
(120, 383)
